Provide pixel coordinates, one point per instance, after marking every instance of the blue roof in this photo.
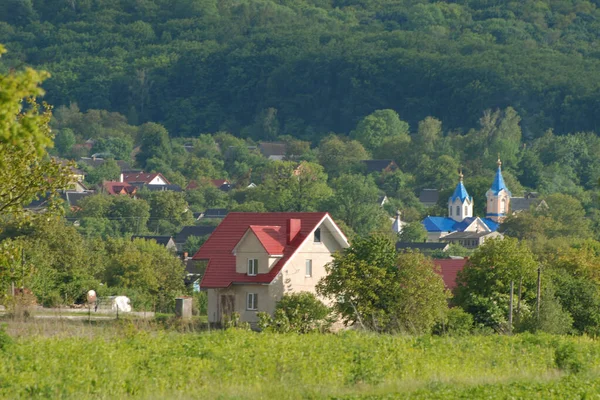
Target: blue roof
(499, 184)
(447, 224)
(439, 224)
(493, 225)
(460, 192)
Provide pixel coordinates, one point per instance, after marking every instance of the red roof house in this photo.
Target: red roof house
(115, 188)
(449, 270)
(155, 178)
(252, 259)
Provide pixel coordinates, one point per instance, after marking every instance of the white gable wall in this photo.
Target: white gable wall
(157, 181)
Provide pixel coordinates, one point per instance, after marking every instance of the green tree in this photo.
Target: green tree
(109, 170)
(339, 156)
(155, 143)
(413, 232)
(25, 170)
(287, 186)
(355, 202)
(378, 290)
(380, 126)
(483, 286)
(168, 206)
(64, 141)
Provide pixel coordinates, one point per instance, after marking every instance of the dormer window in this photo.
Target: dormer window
(318, 235)
(252, 267)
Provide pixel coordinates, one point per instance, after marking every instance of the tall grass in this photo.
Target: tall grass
(126, 361)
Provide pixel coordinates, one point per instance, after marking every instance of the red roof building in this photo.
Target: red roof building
(262, 256)
(118, 188)
(449, 269)
(155, 178)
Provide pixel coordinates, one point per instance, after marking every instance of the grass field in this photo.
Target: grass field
(79, 360)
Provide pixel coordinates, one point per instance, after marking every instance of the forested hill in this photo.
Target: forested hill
(308, 67)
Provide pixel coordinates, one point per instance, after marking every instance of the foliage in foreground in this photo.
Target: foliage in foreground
(379, 290)
(245, 364)
(297, 312)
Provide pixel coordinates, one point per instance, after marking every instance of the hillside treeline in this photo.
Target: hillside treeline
(310, 67)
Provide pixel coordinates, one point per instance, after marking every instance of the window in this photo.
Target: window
(308, 268)
(457, 210)
(503, 206)
(252, 301)
(252, 266)
(318, 235)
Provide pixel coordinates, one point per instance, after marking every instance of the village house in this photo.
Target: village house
(165, 241)
(253, 259)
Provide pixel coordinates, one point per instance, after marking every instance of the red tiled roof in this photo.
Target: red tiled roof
(449, 269)
(192, 185)
(220, 271)
(219, 182)
(115, 187)
(271, 237)
(143, 177)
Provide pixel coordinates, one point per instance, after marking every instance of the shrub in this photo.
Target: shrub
(458, 322)
(5, 339)
(297, 312)
(569, 358)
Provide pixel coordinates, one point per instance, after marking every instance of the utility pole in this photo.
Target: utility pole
(22, 272)
(510, 310)
(519, 300)
(539, 293)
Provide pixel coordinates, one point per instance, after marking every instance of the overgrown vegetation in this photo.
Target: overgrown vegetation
(129, 362)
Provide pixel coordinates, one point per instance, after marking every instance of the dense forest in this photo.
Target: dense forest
(310, 67)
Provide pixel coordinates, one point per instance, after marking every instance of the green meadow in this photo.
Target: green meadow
(125, 360)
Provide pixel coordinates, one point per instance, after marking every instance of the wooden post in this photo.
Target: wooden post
(519, 300)
(510, 307)
(539, 293)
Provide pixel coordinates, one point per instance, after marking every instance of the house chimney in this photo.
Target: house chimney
(293, 228)
(121, 178)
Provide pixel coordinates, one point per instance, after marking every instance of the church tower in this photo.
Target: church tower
(460, 204)
(498, 197)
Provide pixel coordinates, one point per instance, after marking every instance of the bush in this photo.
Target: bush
(458, 322)
(5, 340)
(200, 303)
(297, 312)
(569, 358)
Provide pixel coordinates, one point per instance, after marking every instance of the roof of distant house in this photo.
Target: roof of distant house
(143, 177)
(465, 235)
(218, 249)
(158, 188)
(272, 149)
(429, 196)
(379, 165)
(115, 187)
(449, 269)
(421, 246)
(215, 213)
(96, 162)
(162, 240)
(195, 230)
(74, 198)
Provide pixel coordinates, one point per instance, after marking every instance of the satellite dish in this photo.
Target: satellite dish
(91, 296)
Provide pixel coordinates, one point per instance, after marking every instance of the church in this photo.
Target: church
(460, 226)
